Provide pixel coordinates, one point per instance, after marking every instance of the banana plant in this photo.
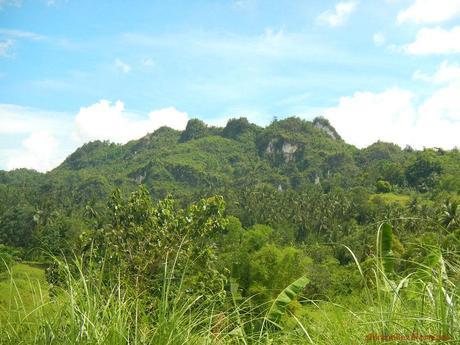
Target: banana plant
(386, 248)
(280, 304)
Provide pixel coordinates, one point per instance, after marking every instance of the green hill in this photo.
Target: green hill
(237, 161)
(190, 237)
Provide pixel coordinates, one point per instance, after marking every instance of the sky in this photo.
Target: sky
(72, 71)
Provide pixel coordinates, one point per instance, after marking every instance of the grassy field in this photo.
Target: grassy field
(86, 313)
(392, 198)
(21, 286)
(91, 307)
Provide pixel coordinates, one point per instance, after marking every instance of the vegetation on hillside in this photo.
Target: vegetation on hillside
(242, 234)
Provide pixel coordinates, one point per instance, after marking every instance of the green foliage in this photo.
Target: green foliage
(450, 214)
(237, 128)
(324, 124)
(280, 304)
(383, 186)
(92, 310)
(141, 237)
(22, 288)
(8, 256)
(17, 225)
(195, 129)
(386, 244)
(287, 173)
(297, 200)
(423, 172)
(91, 155)
(328, 278)
(270, 268)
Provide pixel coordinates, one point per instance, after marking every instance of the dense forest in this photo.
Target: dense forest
(242, 234)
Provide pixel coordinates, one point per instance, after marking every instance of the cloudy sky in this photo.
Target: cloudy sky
(75, 70)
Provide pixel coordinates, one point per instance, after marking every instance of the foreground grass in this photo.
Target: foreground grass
(413, 307)
(20, 287)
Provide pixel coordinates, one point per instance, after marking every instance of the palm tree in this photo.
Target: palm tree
(450, 214)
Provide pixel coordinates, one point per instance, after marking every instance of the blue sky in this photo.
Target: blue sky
(73, 71)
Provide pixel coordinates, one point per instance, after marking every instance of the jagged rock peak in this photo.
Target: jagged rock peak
(324, 124)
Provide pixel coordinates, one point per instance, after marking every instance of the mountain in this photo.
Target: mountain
(287, 155)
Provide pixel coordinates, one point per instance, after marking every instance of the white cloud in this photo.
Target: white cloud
(39, 151)
(444, 104)
(339, 15)
(5, 47)
(9, 38)
(122, 66)
(435, 41)
(379, 39)
(244, 4)
(111, 122)
(147, 62)
(51, 136)
(12, 37)
(169, 117)
(21, 34)
(259, 49)
(419, 75)
(42, 133)
(4, 3)
(438, 123)
(21, 120)
(394, 116)
(446, 73)
(366, 117)
(430, 11)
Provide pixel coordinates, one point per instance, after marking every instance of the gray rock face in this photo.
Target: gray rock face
(317, 181)
(326, 129)
(288, 151)
(140, 178)
(271, 146)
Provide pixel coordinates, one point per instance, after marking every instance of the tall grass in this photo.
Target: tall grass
(88, 310)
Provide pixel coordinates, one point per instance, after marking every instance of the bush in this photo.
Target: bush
(8, 255)
(142, 238)
(383, 186)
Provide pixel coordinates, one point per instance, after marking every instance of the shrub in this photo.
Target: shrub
(142, 237)
(383, 186)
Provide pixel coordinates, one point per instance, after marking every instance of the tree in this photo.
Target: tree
(450, 214)
(143, 237)
(383, 186)
(195, 129)
(236, 127)
(422, 173)
(17, 225)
